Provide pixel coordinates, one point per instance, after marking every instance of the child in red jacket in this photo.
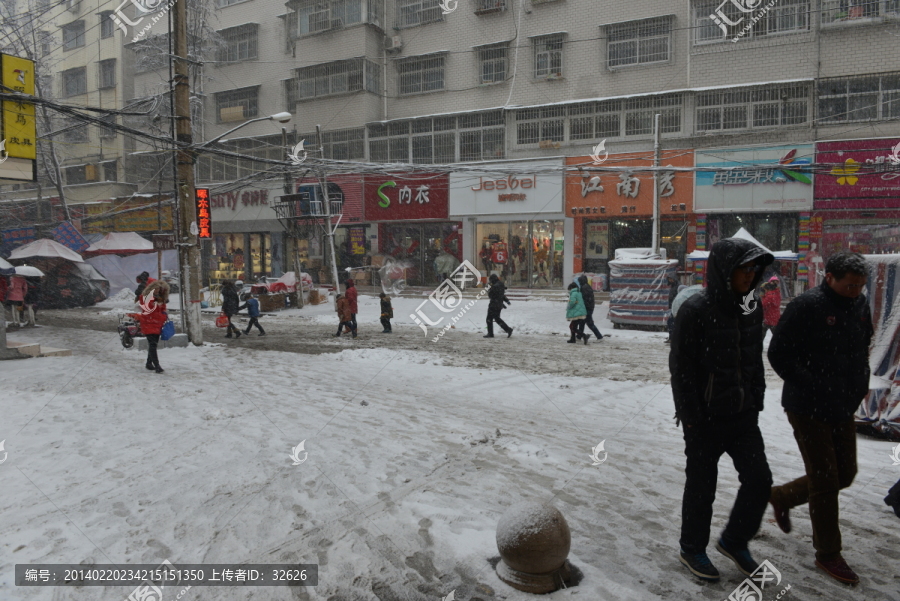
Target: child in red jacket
(153, 316)
(771, 302)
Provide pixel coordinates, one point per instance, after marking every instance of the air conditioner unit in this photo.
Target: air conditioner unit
(320, 21)
(396, 43)
(231, 113)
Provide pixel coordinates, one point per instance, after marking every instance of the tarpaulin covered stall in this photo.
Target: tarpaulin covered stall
(639, 291)
(881, 408)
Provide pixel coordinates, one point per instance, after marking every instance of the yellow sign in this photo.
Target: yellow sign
(17, 118)
(147, 219)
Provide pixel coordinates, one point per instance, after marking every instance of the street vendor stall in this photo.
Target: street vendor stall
(68, 282)
(639, 290)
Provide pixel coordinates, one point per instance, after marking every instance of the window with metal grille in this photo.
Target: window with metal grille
(339, 77)
(45, 39)
(223, 3)
(411, 13)
(73, 35)
(595, 120)
(484, 7)
(493, 62)
(434, 140)
(75, 175)
(639, 42)
(107, 72)
(752, 108)
(421, 74)
(639, 114)
(74, 82)
(344, 144)
(316, 16)
(150, 54)
(785, 16)
(75, 131)
(859, 98)
(107, 25)
(548, 56)
(238, 43)
(389, 142)
(842, 11)
(237, 105)
(482, 136)
(109, 171)
(536, 125)
(108, 131)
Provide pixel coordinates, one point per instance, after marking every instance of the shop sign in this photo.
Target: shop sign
(357, 240)
(535, 188)
(130, 216)
(246, 198)
(163, 241)
(742, 179)
(204, 216)
(858, 174)
(17, 119)
(629, 192)
(398, 198)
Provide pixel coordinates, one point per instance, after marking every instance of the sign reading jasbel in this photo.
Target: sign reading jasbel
(524, 187)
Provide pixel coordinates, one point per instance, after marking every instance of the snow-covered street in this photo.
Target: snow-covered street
(415, 449)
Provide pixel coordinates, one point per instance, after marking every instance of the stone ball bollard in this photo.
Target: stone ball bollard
(534, 541)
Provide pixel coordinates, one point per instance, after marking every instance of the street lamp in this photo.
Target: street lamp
(280, 117)
(188, 244)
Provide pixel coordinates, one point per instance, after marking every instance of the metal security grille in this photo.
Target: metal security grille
(291, 93)
(421, 74)
(74, 82)
(785, 16)
(859, 98)
(345, 144)
(339, 77)
(238, 43)
(108, 132)
(548, 56)
(639, 42)
(836, 11)
(237, 104)
(417, 12)
(493, 61)
(602, 120)
(73, 35)
(745, 108)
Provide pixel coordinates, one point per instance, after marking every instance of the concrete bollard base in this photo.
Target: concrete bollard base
(176, 341)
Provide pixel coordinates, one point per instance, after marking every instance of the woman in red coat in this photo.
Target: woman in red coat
(771, 302)
(153, 316)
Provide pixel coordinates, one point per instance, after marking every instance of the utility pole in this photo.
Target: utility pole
(292, 224)
(187, 241)
(656, 183)
(329, 230)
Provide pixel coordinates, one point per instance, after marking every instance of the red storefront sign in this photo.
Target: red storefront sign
(204, 217)
(857, 174)
(395, 198)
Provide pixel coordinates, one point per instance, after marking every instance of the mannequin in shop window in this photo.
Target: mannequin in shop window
(540, 261)
(485, 255)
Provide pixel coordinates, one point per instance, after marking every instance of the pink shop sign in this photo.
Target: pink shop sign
(858, 174)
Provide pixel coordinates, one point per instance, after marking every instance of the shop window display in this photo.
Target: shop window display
(427, 252)
(522, 253)
(227, 262)
(260, 256)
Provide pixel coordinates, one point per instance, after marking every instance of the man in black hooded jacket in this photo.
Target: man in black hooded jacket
(497, 302)
(718, 382)
(820, 348)
(587, 294)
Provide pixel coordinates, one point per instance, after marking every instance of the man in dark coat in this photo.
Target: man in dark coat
(820, 348)
(230, 303)
(718, 382)
(587, 294)
(497, 302)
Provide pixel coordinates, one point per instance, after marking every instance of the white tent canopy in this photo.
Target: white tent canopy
(45, 249)
(780, 255)
(120, 243)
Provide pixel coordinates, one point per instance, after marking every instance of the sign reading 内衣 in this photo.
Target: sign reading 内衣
(17, 124)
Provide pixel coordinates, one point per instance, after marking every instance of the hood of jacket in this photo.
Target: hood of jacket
(724, 257)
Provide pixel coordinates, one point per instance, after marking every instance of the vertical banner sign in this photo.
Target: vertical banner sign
(204, 216)
(16, 117)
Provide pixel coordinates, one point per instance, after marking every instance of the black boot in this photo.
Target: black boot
(158, 369)
(571, 340)
(584, 337)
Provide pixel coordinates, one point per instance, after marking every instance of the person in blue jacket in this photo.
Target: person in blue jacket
(252, 306)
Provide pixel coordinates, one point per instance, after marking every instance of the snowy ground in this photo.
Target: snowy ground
(415, 450)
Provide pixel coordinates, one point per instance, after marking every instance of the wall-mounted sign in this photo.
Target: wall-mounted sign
(400, 198)
(535, 187)
(17, 117)
(204, 216)
(164, 241)
(863, 174)
(774, 178)
(596, 240)
(629, 192)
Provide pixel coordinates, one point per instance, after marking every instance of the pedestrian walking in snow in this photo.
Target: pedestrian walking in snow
(576, 313)
(230, 304)
(718, 383)
(587, 294)
(771, 302)
(351, 296)
(387, 313)
(153, 316)
(32, 300)
(252, 306)
(344, 315)
(892, 499)
(820, 348)
(15, 297)
(4, 289)
(496, 303)
(674, 289)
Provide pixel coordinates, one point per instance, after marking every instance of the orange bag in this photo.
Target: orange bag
(221, 320)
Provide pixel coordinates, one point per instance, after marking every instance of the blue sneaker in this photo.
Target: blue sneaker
(741, 557)
(700, 565)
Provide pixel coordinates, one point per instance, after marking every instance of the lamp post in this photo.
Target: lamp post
(280, 117)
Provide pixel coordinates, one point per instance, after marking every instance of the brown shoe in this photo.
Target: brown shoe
(839, 570)
(782, 517)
